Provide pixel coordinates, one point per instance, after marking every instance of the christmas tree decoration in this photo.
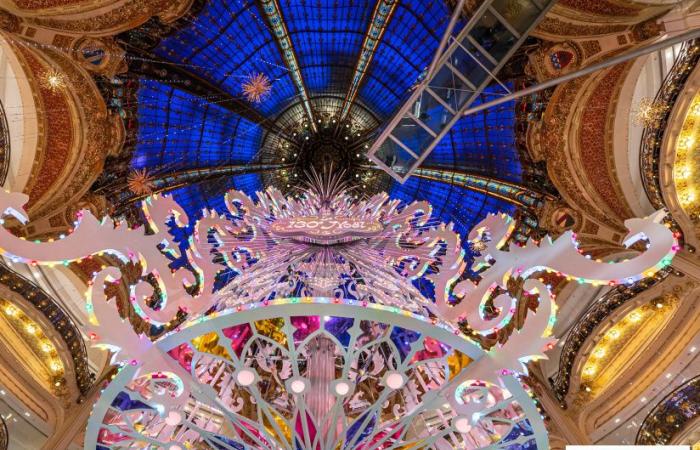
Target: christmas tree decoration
(140, 182)
(322, 337)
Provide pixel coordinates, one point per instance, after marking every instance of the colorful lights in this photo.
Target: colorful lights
(619, 343)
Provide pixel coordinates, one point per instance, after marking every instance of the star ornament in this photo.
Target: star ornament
(53, 80)
(140, 182)
(257, 87)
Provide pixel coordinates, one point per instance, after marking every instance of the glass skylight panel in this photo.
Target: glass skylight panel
(474, 57)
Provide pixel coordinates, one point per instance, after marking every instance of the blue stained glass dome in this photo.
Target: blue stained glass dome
(227, 41)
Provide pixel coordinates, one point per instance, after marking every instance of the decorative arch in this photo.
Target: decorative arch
(75, 132)
(21, 115)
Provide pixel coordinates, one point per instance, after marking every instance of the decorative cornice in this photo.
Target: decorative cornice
(667, 418)
(589, 322)
(60, 320)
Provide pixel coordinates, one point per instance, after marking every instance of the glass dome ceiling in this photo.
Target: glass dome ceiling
(315, 53)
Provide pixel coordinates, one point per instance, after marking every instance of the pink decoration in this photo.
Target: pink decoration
(239, 335)
(305, 325)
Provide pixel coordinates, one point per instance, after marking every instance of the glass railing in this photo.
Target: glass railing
(468, 65)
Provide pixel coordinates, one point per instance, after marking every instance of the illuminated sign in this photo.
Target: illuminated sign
(325, 230)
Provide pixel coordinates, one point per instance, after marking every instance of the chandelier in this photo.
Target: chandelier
(337, 325)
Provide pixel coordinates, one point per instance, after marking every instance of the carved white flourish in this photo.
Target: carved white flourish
(410, 243)
(377, 268)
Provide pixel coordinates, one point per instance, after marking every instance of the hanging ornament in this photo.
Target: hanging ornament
(256, 87)
(53, 80)
(648, 112)
(140, 182)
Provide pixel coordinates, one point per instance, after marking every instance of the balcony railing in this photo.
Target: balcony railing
(4, 435)
(4, 145)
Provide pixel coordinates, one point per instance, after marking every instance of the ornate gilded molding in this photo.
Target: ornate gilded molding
(112, 18)
(76, 133)
(667, 418)
(585, 327)
(383, 11)
(60, 320)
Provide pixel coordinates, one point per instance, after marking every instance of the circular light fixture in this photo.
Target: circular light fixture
(174, 418)
(297, 386)
(341, 388)
(394, 380)
(462, 424)
(245, 377)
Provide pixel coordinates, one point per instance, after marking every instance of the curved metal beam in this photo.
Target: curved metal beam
(381, 16)
(273, 14)
(151, 66)
(510, 192)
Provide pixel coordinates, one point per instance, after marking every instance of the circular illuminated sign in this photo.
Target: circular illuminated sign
(325, 230)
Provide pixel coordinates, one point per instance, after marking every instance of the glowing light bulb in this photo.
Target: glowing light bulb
(55, 366)
(245, 377)
(297, 386)
(394, 380)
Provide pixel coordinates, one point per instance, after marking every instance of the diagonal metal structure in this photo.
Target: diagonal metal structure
(464, 70)
(381, 16)
(273, 14)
